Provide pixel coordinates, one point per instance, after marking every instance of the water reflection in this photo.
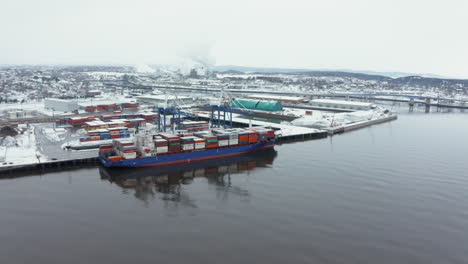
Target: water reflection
(167, 182)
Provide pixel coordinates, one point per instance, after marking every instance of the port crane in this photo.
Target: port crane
(172, 109)
(223, 110)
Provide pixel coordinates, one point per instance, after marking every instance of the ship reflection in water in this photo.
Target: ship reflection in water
(148, 183)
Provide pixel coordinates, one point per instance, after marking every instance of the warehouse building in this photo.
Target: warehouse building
(60, 105)
(340, 104)
(160, 100)
(279, 98)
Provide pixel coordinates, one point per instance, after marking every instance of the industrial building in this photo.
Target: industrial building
(340, 104)
(60, 105)
(279, 98)
(160, 100)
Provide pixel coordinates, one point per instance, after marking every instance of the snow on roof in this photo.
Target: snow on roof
(147, 114)
(96, 103)
(163, 97)
(98, 130)
(117, 121)
(60, 100)
(276, 97)
(77, 118)
(96, 123)
(330, 101)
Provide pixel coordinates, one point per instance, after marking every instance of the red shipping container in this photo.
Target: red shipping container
(271, 133)
(105, 147)
(173, 149)
(160, 143)
(211, 145)
(244, 138)
(253, 137)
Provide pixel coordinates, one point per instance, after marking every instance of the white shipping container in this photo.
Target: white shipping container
(131, 155)
(200, 145)
(162, 149)
(234, 141)
(223, 143)
(187, 146)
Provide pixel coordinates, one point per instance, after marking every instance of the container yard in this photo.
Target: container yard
(177, 133)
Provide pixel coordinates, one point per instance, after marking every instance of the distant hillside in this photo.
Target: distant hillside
(418, 80)
(245, 69)
(364, 75)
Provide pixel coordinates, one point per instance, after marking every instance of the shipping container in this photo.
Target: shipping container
(223, 143)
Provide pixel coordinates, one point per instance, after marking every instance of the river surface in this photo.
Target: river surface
(391, 193)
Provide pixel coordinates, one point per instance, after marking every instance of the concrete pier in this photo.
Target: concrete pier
(358, 125)
(53, 164)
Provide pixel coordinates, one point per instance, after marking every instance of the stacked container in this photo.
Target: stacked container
(124, 133)
(85, 139)
(61, 122)
(104, 134)
(211, 141)
(161, 145)
(199, 143)
(173, 142)
(106, 150)
(94, 135)
(253, 137)
(243, 137)
(271, 133)
(114, 132)
(264, 133)
(125, 148)
(233, 138)
(188, 143)
(174, 145)
(194, 125)
(223, 139)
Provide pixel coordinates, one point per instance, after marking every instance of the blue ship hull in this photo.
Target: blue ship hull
(187, 157)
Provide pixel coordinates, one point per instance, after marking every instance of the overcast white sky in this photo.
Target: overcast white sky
(382, 35)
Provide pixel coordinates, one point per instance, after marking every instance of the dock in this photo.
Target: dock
(358, 125)
(5, 170)
(284, 133)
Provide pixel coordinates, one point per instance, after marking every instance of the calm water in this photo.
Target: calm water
(392, 193)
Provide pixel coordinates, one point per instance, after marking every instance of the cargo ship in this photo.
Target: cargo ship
(168, 149)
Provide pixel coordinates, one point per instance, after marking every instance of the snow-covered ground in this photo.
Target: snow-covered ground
(21, 149)
(325, 120)
(54, 135)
